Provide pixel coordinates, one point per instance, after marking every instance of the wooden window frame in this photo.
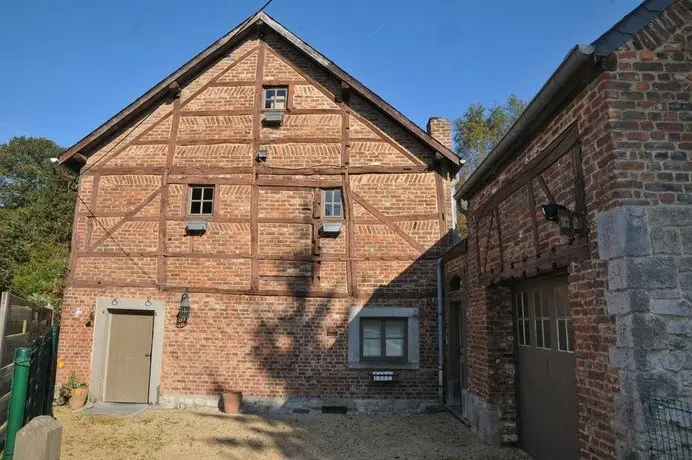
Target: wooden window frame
(332, 203)
(566, 319)
(202, 200)
(274, 98)
(383, 359)
(523, 319)
(544, 321)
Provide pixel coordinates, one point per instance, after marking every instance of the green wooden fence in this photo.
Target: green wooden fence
(28, 359)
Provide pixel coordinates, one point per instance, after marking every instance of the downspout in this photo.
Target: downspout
(440, 347)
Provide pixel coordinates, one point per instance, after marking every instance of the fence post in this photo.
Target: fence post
(20, 380)
(53, 370)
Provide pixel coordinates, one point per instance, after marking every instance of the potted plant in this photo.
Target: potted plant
(232, 401)
(78, 392)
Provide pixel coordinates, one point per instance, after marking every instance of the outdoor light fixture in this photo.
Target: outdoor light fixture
(184, 310)
(262, 155)
(559, 214)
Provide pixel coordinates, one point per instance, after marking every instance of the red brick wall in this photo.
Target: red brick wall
(634, 128)
(260, 339)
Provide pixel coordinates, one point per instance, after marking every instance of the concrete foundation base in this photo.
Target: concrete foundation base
(483, 418)
(253, 404)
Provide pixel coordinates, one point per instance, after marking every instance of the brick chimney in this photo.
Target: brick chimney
(441, 130)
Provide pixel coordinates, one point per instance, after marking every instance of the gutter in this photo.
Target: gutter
(552, 89)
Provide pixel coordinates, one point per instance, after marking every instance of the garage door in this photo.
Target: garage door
(545, 370)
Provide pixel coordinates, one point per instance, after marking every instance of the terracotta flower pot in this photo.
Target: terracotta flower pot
(231, 401)
(78, 397)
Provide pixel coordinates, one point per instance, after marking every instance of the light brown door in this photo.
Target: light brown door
(129, 356)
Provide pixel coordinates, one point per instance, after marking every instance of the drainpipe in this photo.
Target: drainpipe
(440, 347)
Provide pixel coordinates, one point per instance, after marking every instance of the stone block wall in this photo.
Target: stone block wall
(649, 255)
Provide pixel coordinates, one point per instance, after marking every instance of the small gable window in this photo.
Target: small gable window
(275, 98)
(201, 200)
(331, 206)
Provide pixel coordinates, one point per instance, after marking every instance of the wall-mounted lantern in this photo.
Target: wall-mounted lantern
(561, 215)
(184, 310)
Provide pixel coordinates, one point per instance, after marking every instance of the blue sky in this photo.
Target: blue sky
(69, 65)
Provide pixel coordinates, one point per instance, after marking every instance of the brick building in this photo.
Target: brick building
(568, 306)
(297, 214)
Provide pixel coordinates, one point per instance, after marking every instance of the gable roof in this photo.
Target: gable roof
(581, 61)
(203, 60)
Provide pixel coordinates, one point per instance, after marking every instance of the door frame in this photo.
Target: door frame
(102, 339)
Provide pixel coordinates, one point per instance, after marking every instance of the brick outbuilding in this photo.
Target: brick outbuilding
(568, 307)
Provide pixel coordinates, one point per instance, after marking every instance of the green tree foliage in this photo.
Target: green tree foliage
(36, 209)
(476, 133)
(480, 128)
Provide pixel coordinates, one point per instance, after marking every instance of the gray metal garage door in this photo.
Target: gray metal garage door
(545, 370)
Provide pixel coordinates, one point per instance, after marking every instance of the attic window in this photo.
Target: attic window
(331, 207)
(201, 200)
(275, 98)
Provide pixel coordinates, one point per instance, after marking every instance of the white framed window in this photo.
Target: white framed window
(383, 338)
(523, 320)
(332, 206)
(542, 321)
(275, 97)
(201, 200)
(563, 320)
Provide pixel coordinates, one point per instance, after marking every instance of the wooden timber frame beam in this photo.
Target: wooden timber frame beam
(534, 168)
(92, 206)
(245, 255)
(555, 258)
(316, 247)
(260, 168)
(388, 221)
(126, 218)
(256, 132)
(163, 212)
(343, 101)
(258, 175)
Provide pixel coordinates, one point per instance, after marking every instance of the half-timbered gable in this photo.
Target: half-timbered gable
(342, 204)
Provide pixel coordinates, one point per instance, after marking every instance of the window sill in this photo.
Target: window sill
(382, 365)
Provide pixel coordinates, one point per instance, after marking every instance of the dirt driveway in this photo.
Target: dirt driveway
(177, 434)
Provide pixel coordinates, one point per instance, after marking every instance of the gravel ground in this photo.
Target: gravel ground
(177, 434)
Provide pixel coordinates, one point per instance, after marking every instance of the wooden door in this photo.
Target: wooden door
(454, 374)
(457, 373)
(545, 370)
(128, 367)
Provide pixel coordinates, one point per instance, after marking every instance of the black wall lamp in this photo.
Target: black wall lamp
(184, 310)
(561, 215)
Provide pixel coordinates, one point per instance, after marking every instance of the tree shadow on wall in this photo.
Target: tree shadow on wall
(300, 346)
(304, 351)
